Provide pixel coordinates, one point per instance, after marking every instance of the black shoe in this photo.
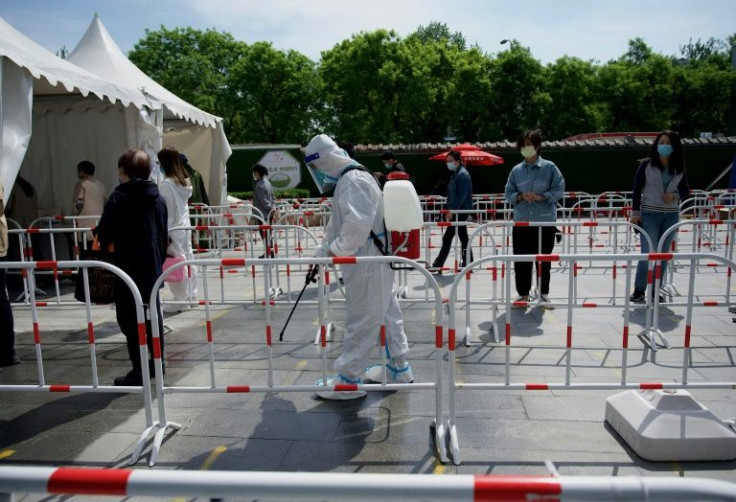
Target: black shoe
(637, 296)
(131, 379)
(12, 362)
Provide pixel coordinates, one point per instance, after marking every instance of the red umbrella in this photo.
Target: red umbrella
(471, 155)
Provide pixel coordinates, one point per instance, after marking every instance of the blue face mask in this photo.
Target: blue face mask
(664, 150)
(451, 166)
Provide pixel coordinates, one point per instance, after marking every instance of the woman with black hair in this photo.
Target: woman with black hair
(659, 186)
(264, 201)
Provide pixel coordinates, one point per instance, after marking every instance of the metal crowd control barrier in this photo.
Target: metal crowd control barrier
(271, 386)
(288, 241)
(42, 386)
(647, 336)
(28, 252)
(350, 486)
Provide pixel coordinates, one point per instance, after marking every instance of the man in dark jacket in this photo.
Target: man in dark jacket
(134, 221)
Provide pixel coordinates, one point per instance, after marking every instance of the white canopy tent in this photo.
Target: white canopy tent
(188, 129)
(70, 108)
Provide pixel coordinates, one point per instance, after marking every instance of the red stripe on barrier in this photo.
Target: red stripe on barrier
(659, 256)
(569, 336)
(327, 277)
(443, 223)
(43, 265)
(657, 271)
(234, 389)
(590, 223)
(36, 334)
(253, 271)
(687, 336)
(346, 387)
(60, 388)
(651, 386)
(270, 302)
(33, 230)
(508, 334)
(575, 268)
(614, 271)
(715, 222)
(438, 336)
(344, 260)
(626, 337)
(42, 304)
(203, 302)
(288, 270)
(710, 304)
(202, 227)
(649, 277)
(548, 257)
(451, 339)
(590, 305)
(323, 335)
(514, 488)
(383, 335)
(209, 331)
(537, 386)
(521, 223)
(264, 227)
(268, 335)
(141, 333)
(90, 333)
(157, 348)
(75, 481)
(232, 262)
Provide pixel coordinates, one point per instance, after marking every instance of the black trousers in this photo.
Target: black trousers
(125, 313)
(526, 241)
(7, 336)
(447, 238)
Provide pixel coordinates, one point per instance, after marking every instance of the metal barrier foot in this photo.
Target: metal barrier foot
(141, 444)
(158, 439)
(440, 440)
(454, 445)
(649, 338)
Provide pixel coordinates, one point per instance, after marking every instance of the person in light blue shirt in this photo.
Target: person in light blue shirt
(534, 187)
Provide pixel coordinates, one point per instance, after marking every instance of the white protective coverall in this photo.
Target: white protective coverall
(180, 241)
(356, 209)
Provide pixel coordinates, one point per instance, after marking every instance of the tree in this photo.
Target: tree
(277, 94)
(519, 93)
(572, 107)
(194, 65)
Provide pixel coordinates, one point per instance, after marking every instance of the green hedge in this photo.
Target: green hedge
(592, 170)
(294, 193)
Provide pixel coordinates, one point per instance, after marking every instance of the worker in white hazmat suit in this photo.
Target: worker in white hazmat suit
(370, 300)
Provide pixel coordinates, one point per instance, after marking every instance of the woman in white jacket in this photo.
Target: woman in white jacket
(176, 189)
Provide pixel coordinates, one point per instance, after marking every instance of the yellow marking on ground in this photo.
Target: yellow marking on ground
(211, 458)
(6, 453)
(301, 365)
(439, 467)
(676, 466)
(214, 317)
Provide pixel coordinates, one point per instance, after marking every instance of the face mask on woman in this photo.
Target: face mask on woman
(528, 151)
(664, 150)
(451, 166)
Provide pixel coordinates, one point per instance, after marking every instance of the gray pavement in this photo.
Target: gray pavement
(500, 431)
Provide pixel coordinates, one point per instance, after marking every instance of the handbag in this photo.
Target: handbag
(101, 281)
(178, 274)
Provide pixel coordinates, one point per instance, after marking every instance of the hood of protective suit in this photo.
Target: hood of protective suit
(183, 193)
(323, 152)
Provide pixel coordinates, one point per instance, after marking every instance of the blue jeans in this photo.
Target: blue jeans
(654, 224)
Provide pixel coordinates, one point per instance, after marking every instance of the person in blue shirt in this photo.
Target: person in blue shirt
(534, 187)
(459, 197)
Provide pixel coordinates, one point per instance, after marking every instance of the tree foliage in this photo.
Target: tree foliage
(377, 87)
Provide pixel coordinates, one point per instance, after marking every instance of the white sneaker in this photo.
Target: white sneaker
(545, 303)
(521, 302)
(173, 308)
(374, 374)
(340, 395)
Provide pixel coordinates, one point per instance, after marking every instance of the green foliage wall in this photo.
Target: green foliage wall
(592, 171)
